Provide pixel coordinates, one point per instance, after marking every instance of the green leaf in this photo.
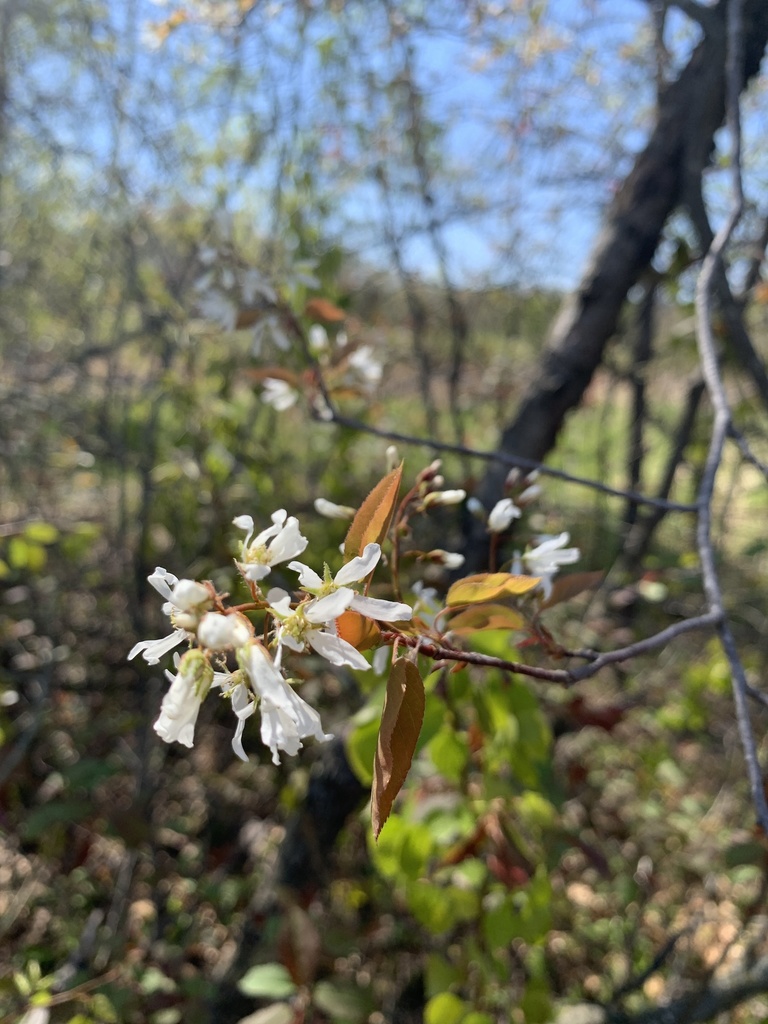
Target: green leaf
(404, 849)
(42, 533)
(401, 721)
(344, 1003)
(59, 813)
(441, 908)
(440, 974)
(360, 745)
(445, 1008)
(277, 1013)
(153, 980)
(449, 752)
(268, 981)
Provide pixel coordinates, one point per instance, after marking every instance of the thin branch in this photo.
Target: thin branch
(711, 268)
(506, 459)
(567, 677)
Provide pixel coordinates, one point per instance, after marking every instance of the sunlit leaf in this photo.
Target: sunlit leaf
(42, 533)
(269, 981)
(277, 1013)
(372, 519)
(488, 586)
(486, 616)
(358, 630)
(401, 721)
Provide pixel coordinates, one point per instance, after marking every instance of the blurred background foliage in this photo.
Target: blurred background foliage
(436, 172)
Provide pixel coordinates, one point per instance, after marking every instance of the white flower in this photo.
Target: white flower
(220, 308)
(306, 625)
(181, 704)
(254, 286)
(186, 601)
(277, 543)
(444, 498)
(369, 368)
(334, 596)
(221, 632)
(502, 514)
(286, 719)
(269, 328)
(318, 339)
(331, 510)
(545, 559)
(279, 394)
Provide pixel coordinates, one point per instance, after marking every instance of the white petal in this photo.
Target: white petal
(243, 707)
(255, 571)
(278, 518)
(358, 568)
(502, 514)
(162, 581)
(154, 650)
(288, 543)
(308, 578)
(330, 607)
(336, 650)
(244, 523)
(387, 611)
(307, 719)
(278, 731)
(266, 680)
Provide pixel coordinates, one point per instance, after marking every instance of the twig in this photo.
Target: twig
(440, 652)
(722, 420)
(508, 460)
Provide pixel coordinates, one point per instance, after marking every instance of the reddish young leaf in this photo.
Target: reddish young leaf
(486, 616)
(247, 317)
(356, 629)
(276, 373)
(372, 519)
(401, 721)
(487, 586)
(324, 309)
(566, 587)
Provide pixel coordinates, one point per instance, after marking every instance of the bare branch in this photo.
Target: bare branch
(722, 419)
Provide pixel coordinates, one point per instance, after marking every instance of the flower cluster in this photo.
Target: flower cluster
(225, 654)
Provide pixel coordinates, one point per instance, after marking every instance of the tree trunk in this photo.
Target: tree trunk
(689, 112)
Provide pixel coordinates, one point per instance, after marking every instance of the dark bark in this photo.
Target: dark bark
(689, 112)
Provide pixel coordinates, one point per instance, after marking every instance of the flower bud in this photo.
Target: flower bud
(530, 494)
(220, 632)
(444, 498)
(189, 595)
(450, 559)
(331, 510)
(430, 472)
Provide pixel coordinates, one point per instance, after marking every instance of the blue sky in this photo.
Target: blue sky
(539, 140)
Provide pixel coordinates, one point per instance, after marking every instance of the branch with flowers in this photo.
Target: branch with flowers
(244, 651)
